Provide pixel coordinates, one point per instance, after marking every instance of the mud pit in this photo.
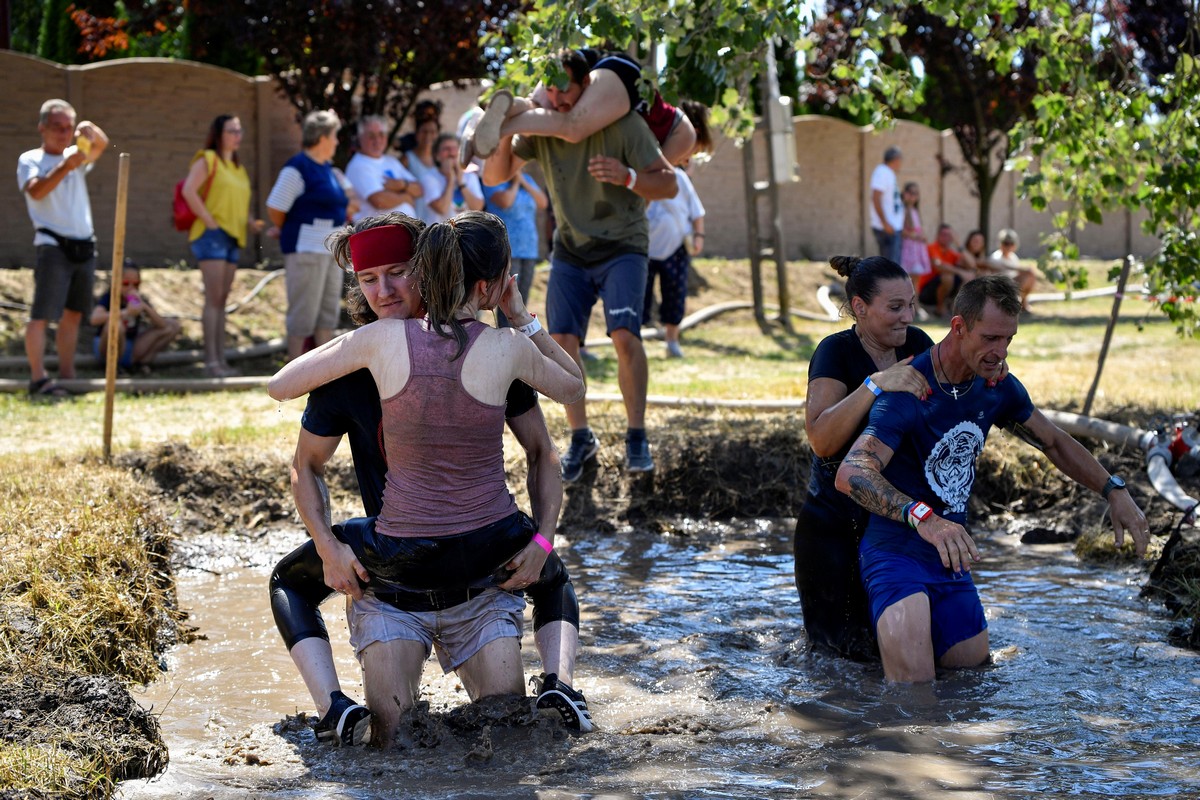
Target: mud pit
(693, 656)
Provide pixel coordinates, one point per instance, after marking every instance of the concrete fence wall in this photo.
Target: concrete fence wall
(158, 111)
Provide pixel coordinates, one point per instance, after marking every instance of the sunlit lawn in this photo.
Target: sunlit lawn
(727, 357)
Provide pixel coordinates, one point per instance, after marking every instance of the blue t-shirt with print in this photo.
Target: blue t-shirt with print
(935, 444)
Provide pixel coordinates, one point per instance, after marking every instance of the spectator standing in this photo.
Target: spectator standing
(449, 189)
(887, 210)
(143, 334)
(53, 180)
(219, 232)
(914, 250)
(516, 203)
(419, 158)
(308, 203)
(381, 182)
(676, 233)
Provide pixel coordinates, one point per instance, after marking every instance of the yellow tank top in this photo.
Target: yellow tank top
(228, 198)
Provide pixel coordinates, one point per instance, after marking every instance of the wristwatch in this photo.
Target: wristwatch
(1114, 482)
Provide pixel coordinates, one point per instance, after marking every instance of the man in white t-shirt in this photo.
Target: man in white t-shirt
(52, 179)
(887, 210)
(381, 182)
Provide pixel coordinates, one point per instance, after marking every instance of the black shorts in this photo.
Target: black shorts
(418, 563)
(59, 283)
(630, 73)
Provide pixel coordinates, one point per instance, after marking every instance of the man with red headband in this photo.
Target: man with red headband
(379, 250)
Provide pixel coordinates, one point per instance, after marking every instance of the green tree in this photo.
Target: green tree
(365, 58)
(58, 38)
(1113, 124)
(965, 88)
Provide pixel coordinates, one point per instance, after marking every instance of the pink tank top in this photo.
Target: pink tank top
(445, 449)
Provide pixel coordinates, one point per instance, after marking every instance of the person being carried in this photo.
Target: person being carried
(143, 333)
(598, 188)
(449, 547)
(610, 86)
(53, 180)
(913, 468)
(385, 288)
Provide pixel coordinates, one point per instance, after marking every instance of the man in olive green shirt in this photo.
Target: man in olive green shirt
(598, 188)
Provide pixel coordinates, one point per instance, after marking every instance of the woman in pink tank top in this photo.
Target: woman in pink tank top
(449, 530)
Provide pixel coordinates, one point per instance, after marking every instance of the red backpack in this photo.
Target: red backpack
(180, 210)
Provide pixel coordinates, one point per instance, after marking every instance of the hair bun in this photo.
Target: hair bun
(844, 265)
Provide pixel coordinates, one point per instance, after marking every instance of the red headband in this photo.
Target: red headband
(384, 244)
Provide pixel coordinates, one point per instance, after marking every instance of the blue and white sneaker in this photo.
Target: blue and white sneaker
(637, 456)
(577, 454)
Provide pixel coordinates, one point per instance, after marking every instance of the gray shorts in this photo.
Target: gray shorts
(457, 633)
(314, 292)
(60, 283)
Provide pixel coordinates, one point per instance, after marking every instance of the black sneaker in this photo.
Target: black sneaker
(577, 454)
(570, 704)
(345, 724)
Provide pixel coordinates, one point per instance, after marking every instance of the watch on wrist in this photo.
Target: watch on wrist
(1114, 482)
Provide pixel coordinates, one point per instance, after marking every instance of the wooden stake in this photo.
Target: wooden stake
(114, 304)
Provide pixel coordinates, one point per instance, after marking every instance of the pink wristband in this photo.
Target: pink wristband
(543, 542)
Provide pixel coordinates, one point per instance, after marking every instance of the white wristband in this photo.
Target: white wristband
(531, 328)
(632, 182)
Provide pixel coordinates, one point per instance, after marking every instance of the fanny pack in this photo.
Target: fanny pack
(76, 250)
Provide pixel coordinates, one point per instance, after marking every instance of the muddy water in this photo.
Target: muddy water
(695, 669)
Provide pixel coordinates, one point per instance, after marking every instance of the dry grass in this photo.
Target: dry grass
(85, 590)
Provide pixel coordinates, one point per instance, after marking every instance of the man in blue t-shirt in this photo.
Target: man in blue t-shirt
(349, 406)
(913, 468)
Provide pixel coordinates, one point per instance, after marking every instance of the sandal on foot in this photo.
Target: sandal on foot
(46, 388)
(487, 132)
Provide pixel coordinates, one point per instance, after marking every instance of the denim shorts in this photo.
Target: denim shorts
(458, 632)
(619, 282)
(216, 245)
(955, 610)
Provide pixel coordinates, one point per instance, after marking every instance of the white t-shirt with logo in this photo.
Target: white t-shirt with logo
(883, 180)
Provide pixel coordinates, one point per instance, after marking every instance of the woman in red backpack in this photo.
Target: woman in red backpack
(217, 189)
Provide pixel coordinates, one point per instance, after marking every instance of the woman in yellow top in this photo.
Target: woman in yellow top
(219, 232)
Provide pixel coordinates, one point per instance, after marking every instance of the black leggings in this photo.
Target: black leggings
(298, 581)
(832, 597)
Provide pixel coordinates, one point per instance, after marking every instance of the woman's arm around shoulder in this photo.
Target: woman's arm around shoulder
(380, 346)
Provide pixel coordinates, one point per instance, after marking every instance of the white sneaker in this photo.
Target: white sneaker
(674, 350)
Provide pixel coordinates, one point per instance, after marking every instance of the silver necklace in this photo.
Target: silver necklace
(937, 362)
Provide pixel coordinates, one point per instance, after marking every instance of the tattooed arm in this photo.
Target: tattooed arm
(861, 477)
